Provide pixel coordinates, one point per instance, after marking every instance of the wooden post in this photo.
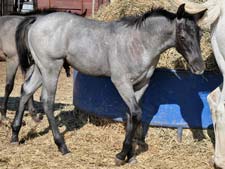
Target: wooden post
(93, 8)
(15, 5)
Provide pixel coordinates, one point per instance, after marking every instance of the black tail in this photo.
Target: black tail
(25, 57)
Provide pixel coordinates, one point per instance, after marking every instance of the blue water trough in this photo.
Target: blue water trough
(175, 99)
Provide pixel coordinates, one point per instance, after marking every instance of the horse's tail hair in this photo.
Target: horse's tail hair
(23, 51)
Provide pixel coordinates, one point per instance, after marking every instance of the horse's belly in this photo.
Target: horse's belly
(93, 65)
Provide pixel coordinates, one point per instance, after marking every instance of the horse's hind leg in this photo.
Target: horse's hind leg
(11, 69)
(29, 87)
(133, 120)
(30, 104)
(50, 79)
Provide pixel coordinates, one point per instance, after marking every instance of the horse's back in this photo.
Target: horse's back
(63, 28)
(78, 39)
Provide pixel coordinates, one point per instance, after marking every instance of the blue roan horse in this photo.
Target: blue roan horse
(126, 50)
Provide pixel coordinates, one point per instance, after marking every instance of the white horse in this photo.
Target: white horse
(215, 19)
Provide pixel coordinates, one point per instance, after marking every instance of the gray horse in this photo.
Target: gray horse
(8, 47)
(126, 50)
(8, 27)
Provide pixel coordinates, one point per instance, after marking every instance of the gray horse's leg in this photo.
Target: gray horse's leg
(37, 117)
(30, 104)
(142, 128)
(133, 120)
(28, 88)
(50, 79)
(11, 69)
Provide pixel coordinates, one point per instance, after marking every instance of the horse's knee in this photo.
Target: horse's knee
(213, 98)
(25, 90)
(136, 115)
(59, 141)
(220, 110)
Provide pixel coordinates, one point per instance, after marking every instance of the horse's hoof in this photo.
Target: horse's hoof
(14, 140)
(16, 143)
(132, 160)
(64, 150)
(216, 167)
(142, 147)
(37, 118)
(119, 162)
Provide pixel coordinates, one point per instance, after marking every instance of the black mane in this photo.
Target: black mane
(139, 19)
(35, 12)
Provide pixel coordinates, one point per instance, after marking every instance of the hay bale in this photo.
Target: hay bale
(171, 58)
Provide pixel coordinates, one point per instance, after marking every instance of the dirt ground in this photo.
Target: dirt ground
(93, 142)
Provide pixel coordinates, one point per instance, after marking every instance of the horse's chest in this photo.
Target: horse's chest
(144, 76)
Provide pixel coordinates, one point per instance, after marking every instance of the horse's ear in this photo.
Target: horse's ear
(181, 11)
(199, 15)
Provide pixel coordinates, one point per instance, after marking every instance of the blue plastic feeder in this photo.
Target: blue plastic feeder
(175, 99)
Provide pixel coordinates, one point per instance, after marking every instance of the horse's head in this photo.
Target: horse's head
(188, 39)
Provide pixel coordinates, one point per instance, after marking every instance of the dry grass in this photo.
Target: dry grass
(93, 141)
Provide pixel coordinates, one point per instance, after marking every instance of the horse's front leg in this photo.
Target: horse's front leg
(126, 91)
(216, 102)
(218, 118)
(143, 127)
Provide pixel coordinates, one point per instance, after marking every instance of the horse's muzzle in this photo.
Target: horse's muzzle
(197, 69)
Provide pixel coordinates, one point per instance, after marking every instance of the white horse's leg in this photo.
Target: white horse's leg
(218, 110)
(218, 118)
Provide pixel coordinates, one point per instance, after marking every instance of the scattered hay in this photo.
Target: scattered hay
(95, 146)
(169, 59)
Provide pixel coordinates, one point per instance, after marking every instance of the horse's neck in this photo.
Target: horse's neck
(159, 35)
